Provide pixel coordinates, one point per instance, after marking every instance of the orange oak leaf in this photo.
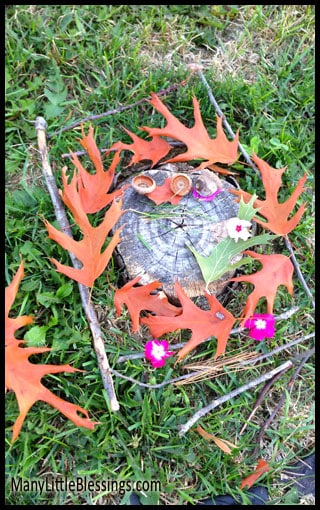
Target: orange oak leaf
(164, 194)
(275, 213)
(198, 142)
(93, 187)
(215, 322)
(88, 250)
(223, 444)
(262, 467)
(154, 149)
(12, 324)
(141, 298)
(24, 378)
(277, 270)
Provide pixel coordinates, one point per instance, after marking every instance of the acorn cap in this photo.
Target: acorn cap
(180, 184)
(143, 184)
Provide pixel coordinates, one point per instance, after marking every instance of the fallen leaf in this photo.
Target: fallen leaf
(24, 377)
(262, 467)
(12, 324)
(164, 194)
(275, 213)
(154, 149)
(215, 322)
(223, 444)
(93, 188)
(277, 270)
(88, 250)
(141, 298)
(198, 142)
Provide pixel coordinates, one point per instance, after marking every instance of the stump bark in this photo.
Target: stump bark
(154, 238)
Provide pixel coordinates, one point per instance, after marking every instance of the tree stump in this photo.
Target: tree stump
(155, 238)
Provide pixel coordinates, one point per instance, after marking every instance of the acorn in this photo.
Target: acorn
(180, 184)
(207, 183)
(143, 184)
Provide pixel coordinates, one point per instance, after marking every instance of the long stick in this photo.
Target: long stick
(250, 163)
(205, 410)
(225, 122)
(117, 110)
(98, 344)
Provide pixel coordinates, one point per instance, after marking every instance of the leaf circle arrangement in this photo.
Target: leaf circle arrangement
(88, 193)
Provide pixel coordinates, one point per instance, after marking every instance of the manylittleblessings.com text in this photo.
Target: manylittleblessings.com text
(81, 484)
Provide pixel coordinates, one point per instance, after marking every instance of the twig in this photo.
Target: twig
(119, 109)
(250, 162)
(205, 410)
(279, 349)
(234, 331)
(151, 386)
(104, 367)
(257, 403)
(195, 373)
(298, 271)
(224, 120)
(304, 358)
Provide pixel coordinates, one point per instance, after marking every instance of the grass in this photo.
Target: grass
(68, 62)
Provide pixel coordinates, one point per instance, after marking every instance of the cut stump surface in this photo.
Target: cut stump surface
(155, 238)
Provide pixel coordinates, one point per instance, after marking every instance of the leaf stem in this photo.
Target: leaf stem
(104, 367)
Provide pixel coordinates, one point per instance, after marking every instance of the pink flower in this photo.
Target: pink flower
(207, 198)
(261, 326)
(156, 351)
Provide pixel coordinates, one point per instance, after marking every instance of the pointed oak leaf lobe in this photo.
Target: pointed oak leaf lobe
(215, 322)
(93, 188)
(24, 378)
(262, 467)
(154, 149)
(164, 194)
(275, 213)
(88, 250)
(277, 270)
(198, 142)
(140, 298)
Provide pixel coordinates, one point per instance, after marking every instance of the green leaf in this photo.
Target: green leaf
(55, 97)
(247, 211)
(65, 290)
(52, 110)
(36, 336)
(218, 262)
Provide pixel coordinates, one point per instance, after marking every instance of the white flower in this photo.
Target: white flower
(238, 229)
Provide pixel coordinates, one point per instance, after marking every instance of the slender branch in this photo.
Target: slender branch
(224, 120)
(205, 410)
(304, 358)
(279, 349)
(298, 271)
(119, 109)
(151, 386)
(234, 331)
(104, 367)
(261, 396)
(250, 162)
